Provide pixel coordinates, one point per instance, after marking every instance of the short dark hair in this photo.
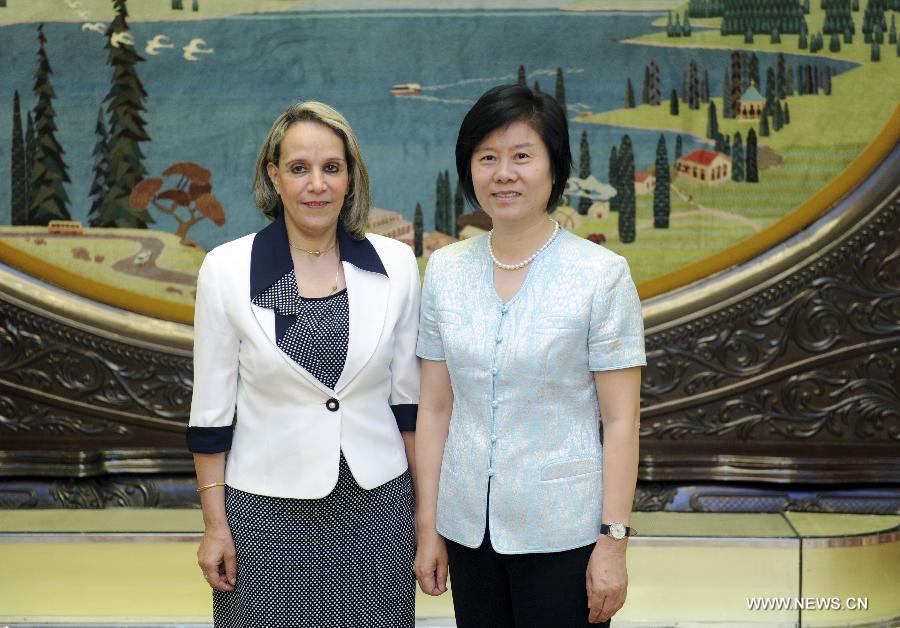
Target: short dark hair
(498, 108)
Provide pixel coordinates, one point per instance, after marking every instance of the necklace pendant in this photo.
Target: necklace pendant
(316, 253)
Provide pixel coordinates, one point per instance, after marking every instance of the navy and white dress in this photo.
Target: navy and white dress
(340, 561)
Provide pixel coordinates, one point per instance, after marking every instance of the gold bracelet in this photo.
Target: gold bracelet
(213, 485)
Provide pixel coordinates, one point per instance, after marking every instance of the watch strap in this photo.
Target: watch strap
(605, 529)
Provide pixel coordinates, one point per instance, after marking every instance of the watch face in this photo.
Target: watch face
(617, 531)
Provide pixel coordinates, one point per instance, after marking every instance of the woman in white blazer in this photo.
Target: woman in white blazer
(305, 396)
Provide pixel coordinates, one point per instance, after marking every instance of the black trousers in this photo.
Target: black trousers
(492, 590)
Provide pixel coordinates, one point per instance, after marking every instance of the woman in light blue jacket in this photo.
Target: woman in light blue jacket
(528, 335)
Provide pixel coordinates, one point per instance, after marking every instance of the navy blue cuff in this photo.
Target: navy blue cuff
(209, 440)
(405, 413)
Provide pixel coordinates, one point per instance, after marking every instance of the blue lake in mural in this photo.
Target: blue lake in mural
(215, 110)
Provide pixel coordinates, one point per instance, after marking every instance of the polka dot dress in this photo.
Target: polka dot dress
(317, 339)
(343, 561)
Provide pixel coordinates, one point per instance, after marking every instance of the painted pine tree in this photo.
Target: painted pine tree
(673, 103)
(693, 86)
(125, 105)
(727, 105)
(655, 95)
(704, 87)
(614, 179)
(30, 147)
(626, 191)
(679, 144)
(629, 94)
(560, 89)
(737, 158)
(49, 200)
(661, 200)
(736, 91)
(584, 170)
(712, 122)
(417, 230)
(440, 215)
(764, 125)
(18, 192)
(752, 171)
(783, 80)
(521, 78)
(101, 165)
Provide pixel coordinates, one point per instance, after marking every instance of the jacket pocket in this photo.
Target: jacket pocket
(569, 467)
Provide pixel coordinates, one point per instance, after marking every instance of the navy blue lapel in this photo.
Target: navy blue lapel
(270, 257)
(270, 260)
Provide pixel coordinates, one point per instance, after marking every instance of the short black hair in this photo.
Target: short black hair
(498, 108)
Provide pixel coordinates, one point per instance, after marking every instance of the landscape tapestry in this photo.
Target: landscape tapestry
(129, 129)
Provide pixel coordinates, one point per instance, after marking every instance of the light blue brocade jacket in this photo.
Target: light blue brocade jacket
(524, 425)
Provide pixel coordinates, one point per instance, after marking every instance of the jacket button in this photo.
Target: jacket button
(333, 404)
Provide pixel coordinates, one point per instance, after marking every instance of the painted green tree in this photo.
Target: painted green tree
(727, 105)
(459, 205)
(679, 147)
(764, 125)
(417, 230)
(629, 94)
(712, 122)
(443, 207)
(521, 76)
(125, 105)
(440, 216)
(661, 196)
(750, 159)
(18, 192)
(655, 95)
(737, 158)
(49, 200)
(693, 86)
(560, 89)
(30, 147)
(625, 189)
(584, 170)
(98, 184)
(673, 103)
(614, 178)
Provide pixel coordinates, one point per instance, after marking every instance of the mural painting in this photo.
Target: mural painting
(132, 127)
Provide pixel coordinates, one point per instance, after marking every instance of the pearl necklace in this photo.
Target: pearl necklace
(527, 260)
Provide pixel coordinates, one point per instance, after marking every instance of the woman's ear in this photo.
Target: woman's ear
(272, 170)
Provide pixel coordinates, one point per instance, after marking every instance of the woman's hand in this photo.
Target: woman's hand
(607, 579)
(217, 558)
(430, 566)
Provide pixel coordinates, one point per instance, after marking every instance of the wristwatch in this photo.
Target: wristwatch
(616, 530)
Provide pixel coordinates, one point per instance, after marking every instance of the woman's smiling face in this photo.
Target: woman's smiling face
(511, 173)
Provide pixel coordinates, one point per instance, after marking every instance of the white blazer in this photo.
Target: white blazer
(289, 429)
